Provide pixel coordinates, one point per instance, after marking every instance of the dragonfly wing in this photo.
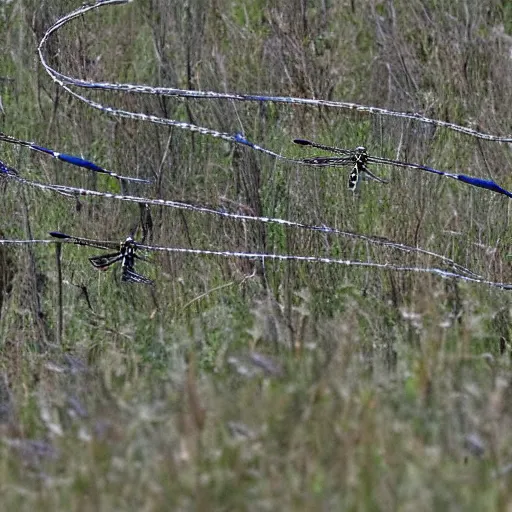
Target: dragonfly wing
(371, 176)
(332, 149)
(130, 276)
(84, 241)
(327, 161)
(104, 261)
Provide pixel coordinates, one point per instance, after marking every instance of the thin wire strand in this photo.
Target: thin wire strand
(72, 192)
(70, 159)
(317, 259)
(63, 79)
(287, 257)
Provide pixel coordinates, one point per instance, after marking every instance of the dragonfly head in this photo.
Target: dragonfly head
(360, 155)
(127, 245)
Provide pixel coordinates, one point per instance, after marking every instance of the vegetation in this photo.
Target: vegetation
(228, 385)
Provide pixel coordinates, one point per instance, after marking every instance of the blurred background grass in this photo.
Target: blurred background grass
(373, 390)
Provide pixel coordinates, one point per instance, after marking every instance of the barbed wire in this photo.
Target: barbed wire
(68, 191)
(66, 81)
(456, 271)
(63, 80)
(281, 257)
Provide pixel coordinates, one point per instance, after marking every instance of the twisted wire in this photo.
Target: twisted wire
(68, 191)
(284, 257)
(64, 80)
(457, 271)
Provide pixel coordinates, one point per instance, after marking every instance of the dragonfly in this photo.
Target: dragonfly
(359, 157)
(126, 254)
(70, 159)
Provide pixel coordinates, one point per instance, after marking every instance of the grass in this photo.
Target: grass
(228, 386)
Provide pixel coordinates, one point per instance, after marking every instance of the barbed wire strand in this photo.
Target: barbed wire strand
(287, 257)
(63, 79)
(68, 191)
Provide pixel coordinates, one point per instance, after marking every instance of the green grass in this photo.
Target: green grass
(386, 384)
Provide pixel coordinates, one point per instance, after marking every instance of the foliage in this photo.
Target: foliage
(230, 386)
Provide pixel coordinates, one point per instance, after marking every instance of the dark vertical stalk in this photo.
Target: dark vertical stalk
(190, 82)
(58, 260)
(35, 300)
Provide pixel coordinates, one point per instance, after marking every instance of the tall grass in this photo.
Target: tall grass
(369, 389)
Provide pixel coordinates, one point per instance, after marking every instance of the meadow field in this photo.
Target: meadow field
(235, 384)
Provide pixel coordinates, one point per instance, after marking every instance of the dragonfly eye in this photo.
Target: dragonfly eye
(361, 149)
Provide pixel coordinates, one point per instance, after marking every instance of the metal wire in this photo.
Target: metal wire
(64, 80)
(280, 257)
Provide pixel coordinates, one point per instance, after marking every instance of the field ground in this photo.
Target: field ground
(235, 386)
